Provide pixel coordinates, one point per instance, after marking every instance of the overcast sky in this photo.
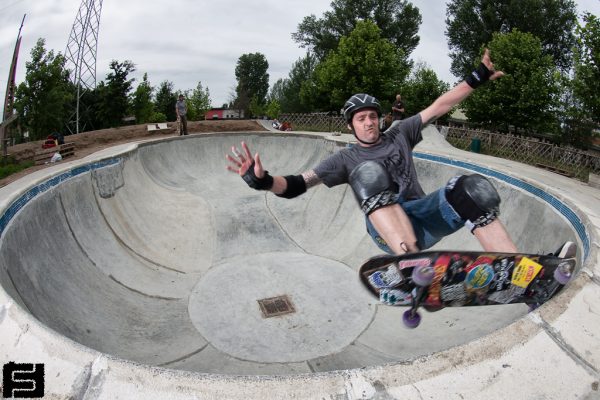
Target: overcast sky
(187, 41)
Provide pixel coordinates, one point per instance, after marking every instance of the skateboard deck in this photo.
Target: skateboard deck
(438, 279)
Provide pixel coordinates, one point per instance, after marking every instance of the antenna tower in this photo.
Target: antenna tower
(81, 56)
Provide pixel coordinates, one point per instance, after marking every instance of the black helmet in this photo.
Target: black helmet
(358, 102)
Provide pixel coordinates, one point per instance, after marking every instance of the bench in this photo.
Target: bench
(44, 155)
(556, 170)
(158, 127)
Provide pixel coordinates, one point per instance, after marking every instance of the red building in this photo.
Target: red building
(224, 113)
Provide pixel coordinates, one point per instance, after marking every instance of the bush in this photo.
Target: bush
(10, 166)
(158, 117)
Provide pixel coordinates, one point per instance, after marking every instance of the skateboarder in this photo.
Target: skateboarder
(399, 216)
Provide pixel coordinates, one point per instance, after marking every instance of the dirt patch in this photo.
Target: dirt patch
(90, 142)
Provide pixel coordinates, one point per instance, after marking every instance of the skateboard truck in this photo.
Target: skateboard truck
(422, 276)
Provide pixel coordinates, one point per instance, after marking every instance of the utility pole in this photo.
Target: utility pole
(8, 114)
(81, 57)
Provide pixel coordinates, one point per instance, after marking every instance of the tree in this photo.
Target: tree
(273, 109)
(586, 82)
(471, 24)
(398, 21)
(581, 98)
(421, 89)
(288, 91)
(113, 103)
(256, 108)
(526, 97)
(277, 92)
(143, 108)
(252, 80)
(198, 102)
(364, 62)
(44, 100)
(165, 100)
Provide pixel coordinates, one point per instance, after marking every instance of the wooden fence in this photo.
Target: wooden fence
(564, 160)
(567, 161)
(316, 122)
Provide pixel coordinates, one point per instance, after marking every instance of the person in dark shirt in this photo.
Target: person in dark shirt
(398, 108)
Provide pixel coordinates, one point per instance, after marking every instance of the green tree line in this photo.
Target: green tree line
(548, 53)
(46, 100)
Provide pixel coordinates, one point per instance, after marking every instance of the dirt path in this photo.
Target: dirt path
(90, 142)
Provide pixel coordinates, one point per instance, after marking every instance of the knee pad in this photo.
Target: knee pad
(372, 186)
(474, 198)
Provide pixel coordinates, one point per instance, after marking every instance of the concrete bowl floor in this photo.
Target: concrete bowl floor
(160, 256)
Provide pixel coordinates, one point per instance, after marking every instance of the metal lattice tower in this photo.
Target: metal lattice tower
(81, 55)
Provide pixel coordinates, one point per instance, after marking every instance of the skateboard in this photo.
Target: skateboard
(438, 279)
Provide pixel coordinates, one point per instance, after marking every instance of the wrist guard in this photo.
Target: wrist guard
(295, 187)
(264, 183)
(478, 77)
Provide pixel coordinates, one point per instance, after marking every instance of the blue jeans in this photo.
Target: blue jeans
(432, 218)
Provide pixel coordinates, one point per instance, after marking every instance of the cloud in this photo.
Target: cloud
(186, 41)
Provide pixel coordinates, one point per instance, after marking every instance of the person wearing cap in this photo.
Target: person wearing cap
(380, 169)
(181, 111)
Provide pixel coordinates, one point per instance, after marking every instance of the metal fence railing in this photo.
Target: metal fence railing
(564, 160)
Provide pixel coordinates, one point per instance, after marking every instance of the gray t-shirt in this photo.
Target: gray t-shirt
(181, 107)
(394, 153)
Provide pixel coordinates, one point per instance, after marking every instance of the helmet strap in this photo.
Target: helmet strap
(363, 141)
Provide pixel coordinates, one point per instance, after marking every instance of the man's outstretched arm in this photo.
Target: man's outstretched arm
(454, 96)
(252, 171)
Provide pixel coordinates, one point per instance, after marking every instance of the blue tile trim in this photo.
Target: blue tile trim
(32, 193)
(561, 207)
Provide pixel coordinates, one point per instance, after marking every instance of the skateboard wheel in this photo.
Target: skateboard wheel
(411, 319)
(562, 275)
(422, 276)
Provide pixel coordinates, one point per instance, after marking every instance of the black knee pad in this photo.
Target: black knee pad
(474, 198)
(372, 186)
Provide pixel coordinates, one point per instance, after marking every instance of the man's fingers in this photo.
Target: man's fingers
(246, 151)
(496, 75)
(233, 160)
(258, 167)
(235, 151)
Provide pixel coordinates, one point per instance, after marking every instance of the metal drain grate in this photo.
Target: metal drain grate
(275, 306)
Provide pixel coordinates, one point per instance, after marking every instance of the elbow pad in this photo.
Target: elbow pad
(295, 186)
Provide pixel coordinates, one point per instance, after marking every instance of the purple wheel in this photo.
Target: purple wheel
(411, 319)
(562, 275)
(422, 276)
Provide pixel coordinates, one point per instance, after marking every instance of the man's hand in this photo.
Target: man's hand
(487, 61)
(241, 162)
